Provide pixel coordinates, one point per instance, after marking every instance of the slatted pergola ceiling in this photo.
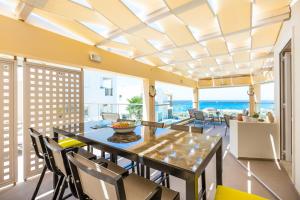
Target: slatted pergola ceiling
(193, 38)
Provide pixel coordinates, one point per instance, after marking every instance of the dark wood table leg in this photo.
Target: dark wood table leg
(203, 186)
(219, 165)
(191, 185)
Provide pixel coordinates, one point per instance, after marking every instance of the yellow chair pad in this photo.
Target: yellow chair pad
(226, 193)
(69, 142)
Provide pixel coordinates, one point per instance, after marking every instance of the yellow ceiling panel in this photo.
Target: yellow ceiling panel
(71, 25)
(176, 3)
(140, 45)
(155, 60)
(222, 60)
(143, 9)
(177, 54)
(200, 20)
(116, 12)
(69, 10)
(241, 57)
(196, 51)
(233, 15)
(266, 35)
(176, 30)
(239, 41)
(208, 62)
(258, 55)
(157, 39)
(149, 33)
(270, 8)
(216, 46)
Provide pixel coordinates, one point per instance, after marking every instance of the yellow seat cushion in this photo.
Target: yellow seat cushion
(226, 193)
(69, 142)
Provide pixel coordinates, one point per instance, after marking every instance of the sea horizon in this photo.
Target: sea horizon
(238, 105)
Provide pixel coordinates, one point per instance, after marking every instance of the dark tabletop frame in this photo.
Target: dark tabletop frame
(190, 177)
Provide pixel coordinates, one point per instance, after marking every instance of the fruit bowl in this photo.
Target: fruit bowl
(123, 127)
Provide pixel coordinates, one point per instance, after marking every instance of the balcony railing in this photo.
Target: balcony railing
(93, 111)
(167, 114)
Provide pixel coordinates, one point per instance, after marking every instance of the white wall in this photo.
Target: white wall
(291, 30)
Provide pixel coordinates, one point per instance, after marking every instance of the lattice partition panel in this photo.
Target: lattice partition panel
(52, 97)
(8, 131)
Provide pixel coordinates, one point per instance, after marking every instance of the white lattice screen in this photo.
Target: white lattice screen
(52, 97)
(8, 122)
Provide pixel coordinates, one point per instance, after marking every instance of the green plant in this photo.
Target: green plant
(255, 115)
(135, 107)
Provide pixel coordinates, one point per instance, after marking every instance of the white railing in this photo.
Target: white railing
(93, 111)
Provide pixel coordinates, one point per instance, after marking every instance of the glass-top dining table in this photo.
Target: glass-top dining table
(181, 154)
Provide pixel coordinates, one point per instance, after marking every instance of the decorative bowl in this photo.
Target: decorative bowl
(124, 130)
(123, 127)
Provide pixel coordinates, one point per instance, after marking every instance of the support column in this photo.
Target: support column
(196, 98)
(257, 97)
(251, 100)
(148, 101)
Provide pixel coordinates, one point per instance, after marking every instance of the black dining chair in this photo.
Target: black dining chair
(162, 178)
(127, 120)
(113, 117)
(227, 122)
(93, 181)
(40, 152)
(187, 128)
(58, 161)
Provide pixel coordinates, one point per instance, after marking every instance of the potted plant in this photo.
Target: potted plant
(255, 117)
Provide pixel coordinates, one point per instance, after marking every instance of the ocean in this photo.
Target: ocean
(184, 105)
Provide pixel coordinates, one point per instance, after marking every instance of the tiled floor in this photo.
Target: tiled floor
(236, 174)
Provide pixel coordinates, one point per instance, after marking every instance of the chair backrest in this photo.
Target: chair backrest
(35, 139)
(113, 117)
(39, 146)
(199, 115)
(94, 181)
(197, 129)
(152, 124)
(192, 112)
(126, 120)
(227, 119)
(245, 112)
(180, 127)
(187, 128)
(57, 157)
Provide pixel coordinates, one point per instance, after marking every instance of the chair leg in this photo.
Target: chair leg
(162, 178)
(57, 188)
(147, 172)
(168, 180)
(143, 170)
(102, 154)
(39, 183)
(132, 167)
(62, 189)
(138, 168)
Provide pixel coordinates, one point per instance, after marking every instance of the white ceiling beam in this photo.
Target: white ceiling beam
(157, 17)
(23, 10)
(25, 7)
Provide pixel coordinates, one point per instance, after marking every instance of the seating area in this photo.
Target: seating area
(149, 100)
